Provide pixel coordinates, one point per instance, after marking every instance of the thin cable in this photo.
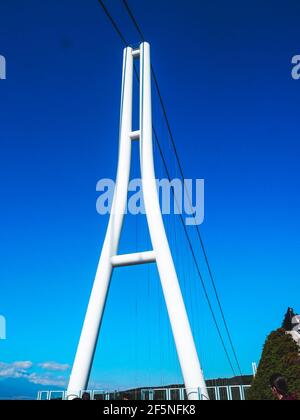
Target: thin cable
(113, 22)
(197, 228)
(190, 245)
(182, 176)
(131, 15)
(195, 259)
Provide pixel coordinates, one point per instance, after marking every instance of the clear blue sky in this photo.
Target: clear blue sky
(225, 73)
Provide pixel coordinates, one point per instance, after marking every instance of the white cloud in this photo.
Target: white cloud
(47, 380)
(10, 373)
(23, 370)
(23, 365)
(58, 367)
(15, 370)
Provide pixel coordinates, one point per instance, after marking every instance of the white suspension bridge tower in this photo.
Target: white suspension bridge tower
(160, 254)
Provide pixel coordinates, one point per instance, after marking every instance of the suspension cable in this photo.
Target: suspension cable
(189, 198)
(123, 39)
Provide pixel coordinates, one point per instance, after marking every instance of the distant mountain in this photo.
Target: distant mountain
(20, 389)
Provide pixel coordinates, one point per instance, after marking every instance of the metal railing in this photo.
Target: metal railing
(216, 393)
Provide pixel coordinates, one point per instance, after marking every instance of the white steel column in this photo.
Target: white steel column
(188, 358)
(89, 336)
(161, 254)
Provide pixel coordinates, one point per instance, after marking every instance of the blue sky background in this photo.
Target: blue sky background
(225, 73)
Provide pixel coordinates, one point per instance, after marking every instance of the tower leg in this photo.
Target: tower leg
(186, 349)
(88, 341)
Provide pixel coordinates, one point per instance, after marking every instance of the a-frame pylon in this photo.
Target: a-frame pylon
(161, 254)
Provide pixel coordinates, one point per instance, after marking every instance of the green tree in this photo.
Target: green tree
(287, 322)
(280, 355)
